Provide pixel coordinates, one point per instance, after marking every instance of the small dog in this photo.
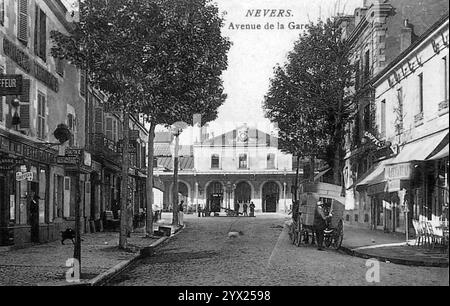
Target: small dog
(68, 234)
(235, 234)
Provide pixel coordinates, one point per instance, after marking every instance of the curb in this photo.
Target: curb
(399, 261)
(103, 278)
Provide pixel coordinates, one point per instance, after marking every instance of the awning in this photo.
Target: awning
(375, 175)
(441, 154)
(421, 149)
(320, 174)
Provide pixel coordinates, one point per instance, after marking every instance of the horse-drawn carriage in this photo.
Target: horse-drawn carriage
(301, 230)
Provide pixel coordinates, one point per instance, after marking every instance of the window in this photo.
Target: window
(215, 161)
(41, 116)
(59, 66)
(58, 196)
(367, 117)
(399, 112)
(242, 161)
(383, 118)
(2, 12)
(108, 128)
(366, 65)
(40, 34)
(71, 123)
(357, 74)
(420, 77)
(445, 68)
(356, 218)
(22, 21)
(82, 83)
(270, 161)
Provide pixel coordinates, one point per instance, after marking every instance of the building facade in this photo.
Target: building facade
(34, 207)
(241, 166)
(379, 33)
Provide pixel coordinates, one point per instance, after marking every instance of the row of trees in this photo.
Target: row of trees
(159, 58)
(309, 99)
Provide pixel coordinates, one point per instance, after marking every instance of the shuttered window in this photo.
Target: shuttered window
(270, 161)
(59, 66)
(41, 116)
(40, 34)
(98, 120)
(108, 128)
(2, 12)
(22, 22)
(2, 99)
(82, 83)
(25, 105)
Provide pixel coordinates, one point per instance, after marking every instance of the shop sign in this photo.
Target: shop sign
(131, 147)
(87, 160)
(68, 160)
(398, 171)
(10, 84)
(73, 152)
(377, 188)
(21, 176)
(134, 135)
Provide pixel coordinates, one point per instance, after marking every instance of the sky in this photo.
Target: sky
(255, 52)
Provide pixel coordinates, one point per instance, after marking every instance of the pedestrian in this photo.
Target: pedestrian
(199, 210)
(319, 224)
(180, 213)
(236, 209)
(244, 209)
(252, 209)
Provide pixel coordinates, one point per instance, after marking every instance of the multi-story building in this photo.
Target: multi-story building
(378, 34)
(104, 132)
(51, 94)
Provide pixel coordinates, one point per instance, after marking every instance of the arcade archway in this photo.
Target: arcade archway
(270, 197)
(214, 196)
(242, 193)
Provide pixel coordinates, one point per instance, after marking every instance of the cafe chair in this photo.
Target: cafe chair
(420, 236)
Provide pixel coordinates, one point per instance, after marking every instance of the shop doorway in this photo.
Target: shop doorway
(3, 211)
(270, 196)
(34, 212)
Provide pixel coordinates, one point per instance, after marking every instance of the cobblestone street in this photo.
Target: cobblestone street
(202, 255)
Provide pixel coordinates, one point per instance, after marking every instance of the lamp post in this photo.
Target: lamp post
(176, 130)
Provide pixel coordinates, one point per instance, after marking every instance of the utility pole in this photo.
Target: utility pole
(77, 247)
(175, 179)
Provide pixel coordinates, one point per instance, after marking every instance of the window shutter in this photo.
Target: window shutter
(98, 120)
(82, 83)
(25, 105)
(2, 12)
(143, 156)
(43, 36)
(108, 128)
(22, 26)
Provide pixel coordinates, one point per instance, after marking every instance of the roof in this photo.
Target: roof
(242, 136)
(164, 137)
(163, 149)
(185, 162)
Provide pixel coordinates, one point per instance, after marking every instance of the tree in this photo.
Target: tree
(106, 44)
(309, 96)
(183, 63)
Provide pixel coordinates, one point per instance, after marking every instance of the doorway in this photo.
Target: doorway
(270, 196)
(34, 212)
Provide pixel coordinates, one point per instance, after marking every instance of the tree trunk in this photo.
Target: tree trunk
(149, 182)
(296, 179)
(175, 184)
(124, 186)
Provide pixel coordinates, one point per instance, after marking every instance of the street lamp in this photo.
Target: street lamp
(176, 130)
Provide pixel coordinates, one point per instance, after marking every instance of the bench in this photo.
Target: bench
(109, 222)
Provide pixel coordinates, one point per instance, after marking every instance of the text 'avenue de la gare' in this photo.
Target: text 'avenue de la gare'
(268, 26)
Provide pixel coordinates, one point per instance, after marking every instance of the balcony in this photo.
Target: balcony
(443, 107)
(103, 147)
(418, 119)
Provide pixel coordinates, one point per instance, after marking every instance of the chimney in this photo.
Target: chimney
(406, 35)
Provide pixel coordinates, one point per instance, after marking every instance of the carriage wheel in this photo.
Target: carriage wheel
(338, 236)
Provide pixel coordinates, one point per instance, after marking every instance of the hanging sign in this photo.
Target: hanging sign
(10, 84)
(21, 176)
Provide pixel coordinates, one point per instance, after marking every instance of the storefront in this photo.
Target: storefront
(25, 212)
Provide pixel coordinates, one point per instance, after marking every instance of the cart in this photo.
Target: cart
(301, 230)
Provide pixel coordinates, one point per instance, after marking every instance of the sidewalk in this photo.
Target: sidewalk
(390, 247)
(45, 264)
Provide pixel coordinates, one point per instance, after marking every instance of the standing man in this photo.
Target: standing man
(180, 213)
(236, 209)
(319, 224)
(252, 209)
(244, 209)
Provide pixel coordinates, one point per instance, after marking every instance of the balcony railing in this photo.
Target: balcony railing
(102, 146)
